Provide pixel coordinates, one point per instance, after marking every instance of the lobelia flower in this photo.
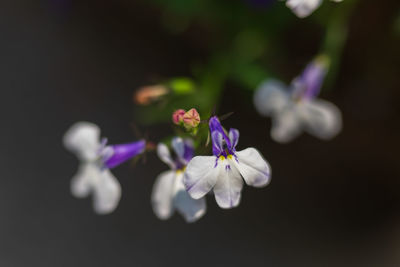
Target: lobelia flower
(303, 8)
(169, 193)
(96, 159)
(296, 108)
(223, 172)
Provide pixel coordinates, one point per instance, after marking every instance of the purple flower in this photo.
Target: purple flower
(296, 108)
(124, 152)
(94, 176)
(308, 84)
(169, 193)
(225, 170)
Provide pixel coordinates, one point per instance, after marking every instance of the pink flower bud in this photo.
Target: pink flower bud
(191, 118)
(177, 116)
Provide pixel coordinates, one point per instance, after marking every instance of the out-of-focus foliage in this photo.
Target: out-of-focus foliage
(245, 40)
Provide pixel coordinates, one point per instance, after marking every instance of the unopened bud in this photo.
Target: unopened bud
(177, 116)
(191, 118)
(148, 94)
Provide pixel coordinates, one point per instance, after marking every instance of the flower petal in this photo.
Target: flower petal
(200, 176)
(270, 97)
(234, 138)
(83, 138)
(82, 182)
(191, 209)
(217, 143)
(106, 193)
(308, 84)
(162, 195)
(124, 152)
(303, 8)
(164, 155)
(189, 150)
(228, 187)
(215, 126)
(253, 167)
(286, 125)
(179, 146)
(321, 118)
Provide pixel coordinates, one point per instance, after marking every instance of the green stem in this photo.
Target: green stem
(336, 37)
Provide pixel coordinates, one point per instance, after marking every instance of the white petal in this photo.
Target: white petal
(228, 187)
(191, 209)
(107, 192)
(164, 155)
(83, 138)
(303, 8)
(82, 182)
(253, 167)
(162, 194)
(286, 125)
(270, 97)
(321, 118)
(200, 176)
(178, 145)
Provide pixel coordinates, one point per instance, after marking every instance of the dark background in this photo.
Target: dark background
(329, 204)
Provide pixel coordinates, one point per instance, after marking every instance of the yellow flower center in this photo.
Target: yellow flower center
(180, 171)
(222, 157)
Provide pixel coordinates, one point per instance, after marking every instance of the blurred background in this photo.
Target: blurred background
(333, 203)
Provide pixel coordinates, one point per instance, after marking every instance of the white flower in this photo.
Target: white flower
(296, 109)
(303, 8)
(224, 171)
(93, 176)
(169, 193)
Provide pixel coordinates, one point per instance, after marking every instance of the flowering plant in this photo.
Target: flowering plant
(238, 55)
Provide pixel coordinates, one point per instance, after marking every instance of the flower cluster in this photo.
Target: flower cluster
(184, 186)
(193, 174)
(191, 177)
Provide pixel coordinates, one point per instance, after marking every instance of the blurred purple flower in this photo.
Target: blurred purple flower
(296, 108)
(123, 152)
(309, 83)
(94, 176)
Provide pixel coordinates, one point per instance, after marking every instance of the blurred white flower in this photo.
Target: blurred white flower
(223, 171)
(303, 8)
(169, 192)
(93, 176)
(295, 109)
